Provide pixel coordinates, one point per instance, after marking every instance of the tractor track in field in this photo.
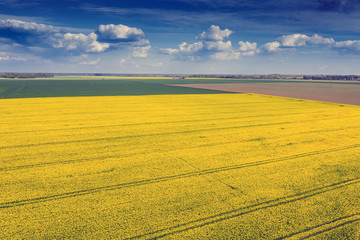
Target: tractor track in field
(43, 164)
(154, 123)
(167, 178)
(167, 133)
(220, 217)
(23, 118)
(324, 227)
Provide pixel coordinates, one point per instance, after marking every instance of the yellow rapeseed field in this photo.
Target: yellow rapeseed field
(221, 166)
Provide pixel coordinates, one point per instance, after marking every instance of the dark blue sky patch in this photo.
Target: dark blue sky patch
(343, 6)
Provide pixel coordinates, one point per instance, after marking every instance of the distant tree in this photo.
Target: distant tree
(26, 75)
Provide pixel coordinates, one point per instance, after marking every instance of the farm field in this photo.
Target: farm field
(80, 86)
(71, 86)
(338, 92)
(194, 166)
(346, 92)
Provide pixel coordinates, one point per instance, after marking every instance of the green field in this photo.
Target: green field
(3, 89)
(70, 86)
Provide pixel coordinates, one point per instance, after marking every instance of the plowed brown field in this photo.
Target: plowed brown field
(328, 92)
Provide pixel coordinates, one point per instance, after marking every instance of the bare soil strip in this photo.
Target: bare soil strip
(327, 92)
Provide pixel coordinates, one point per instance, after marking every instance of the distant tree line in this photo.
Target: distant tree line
(183, 76)
(332, 77)
(232, 76)
(279, 76)
(26, 75)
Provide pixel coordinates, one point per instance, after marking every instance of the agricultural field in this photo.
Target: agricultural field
(178, 166)
(338, 92)
(346, 92)
(80, 86)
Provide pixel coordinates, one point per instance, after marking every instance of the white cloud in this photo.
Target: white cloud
(26, 26)
(80, 42)
(319, 40)
(111, 32)
(218, 45)
(141, 52)
(214, 34)
(294, 40)
(12, 58)
(169, 51)
(4, 58)
(229, 55)
(190, 48)
(247, 46)
(298, 40)
(271, 47)
(42, 39)
(355, 44)
(350, 46)
(211, 44)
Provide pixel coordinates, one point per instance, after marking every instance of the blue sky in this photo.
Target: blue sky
(181, 36)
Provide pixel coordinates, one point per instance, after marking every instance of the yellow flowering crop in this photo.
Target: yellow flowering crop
(221, 166)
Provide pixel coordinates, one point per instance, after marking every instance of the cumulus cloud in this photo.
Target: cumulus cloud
(301, 40)
(191, 48)
(210, 44)
(119, 33)
(169, 51)
(298, 40)
(80, 42)
(349, 47)
(248, 48)
(214, 34)
(43, 39)
(219, 45)
(271, 47)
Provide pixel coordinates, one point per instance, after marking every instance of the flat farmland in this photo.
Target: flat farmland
(338, 92)
(196, 166)
(89, 86)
